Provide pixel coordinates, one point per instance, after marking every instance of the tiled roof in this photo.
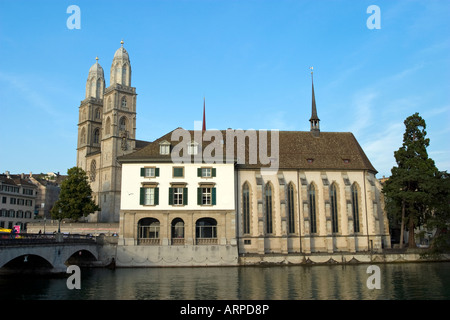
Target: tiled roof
(297, 150)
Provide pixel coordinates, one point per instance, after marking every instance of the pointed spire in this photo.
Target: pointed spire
(204, 119)
(314, 120)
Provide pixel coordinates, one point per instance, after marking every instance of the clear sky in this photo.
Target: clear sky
(250, 59)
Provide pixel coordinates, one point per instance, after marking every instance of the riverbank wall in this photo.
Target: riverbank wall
(206, 256)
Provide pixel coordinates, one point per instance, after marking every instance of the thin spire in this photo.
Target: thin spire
(204, 119)
(314, 118)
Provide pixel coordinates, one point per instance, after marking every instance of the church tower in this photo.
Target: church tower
(90, 116)
(118, 134)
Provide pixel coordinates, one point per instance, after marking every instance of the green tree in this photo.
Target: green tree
(75, 199)
(440, 219)
(411, 189)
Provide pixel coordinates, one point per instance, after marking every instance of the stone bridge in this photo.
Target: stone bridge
(37, 255)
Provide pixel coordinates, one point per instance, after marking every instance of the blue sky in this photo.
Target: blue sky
(250, 59)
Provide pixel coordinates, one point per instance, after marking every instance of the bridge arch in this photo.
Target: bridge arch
(28, 263)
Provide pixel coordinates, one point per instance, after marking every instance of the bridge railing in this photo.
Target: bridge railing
(37, 238)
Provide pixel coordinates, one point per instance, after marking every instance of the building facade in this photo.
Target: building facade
(107, 130)
(257, 192)
(18, 201)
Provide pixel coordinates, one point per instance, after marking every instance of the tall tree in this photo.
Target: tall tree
(75, 200)
(412, 185)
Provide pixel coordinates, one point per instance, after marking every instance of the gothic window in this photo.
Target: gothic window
(334, 208)
(290, 204)
(108, 126)
(268, 202)
(109, 104)
(312, 208)
(83, 136)
(98, 89)
(123, 124)
(93, 170)
(97, 135)
(97, 113)
(124, 74)
(246, 208)
(124, 103)
(355, 206)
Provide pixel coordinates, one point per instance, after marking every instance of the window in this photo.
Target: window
(206, 172)
(268, 201)
(123, 124)
(124, 103)
(149, 196)
(312, 209)
(148, 231)
(206, 195)
(93, 170)
(206, 231)
(97, 112)
(290, 203)
(178, 172)
(246, 208)
(150, 172)
(96, 135)
(334, 212)
(3, 199)
(164, 148)
(27, 191)
(355, 208)
(193, 148)
(178, 196)
(12, 200)
(177, 230)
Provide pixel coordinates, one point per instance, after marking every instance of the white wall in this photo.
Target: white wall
(132, 182)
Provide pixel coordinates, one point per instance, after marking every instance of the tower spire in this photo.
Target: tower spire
(204, 119)
(314, 120)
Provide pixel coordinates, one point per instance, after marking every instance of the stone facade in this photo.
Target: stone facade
(106, 130)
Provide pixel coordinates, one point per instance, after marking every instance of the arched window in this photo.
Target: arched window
(123, 124)
(124, 75)
(124, 102)
(148, 231)
(83, 136)
(108, 126)
(177, 231)
(109, 104)
(98, 89)
(206, 231)
(268, 202)
(97, 113)
(290, 207)
(312, 209)
(334, 208)
(93, 170)
(355, 206)
(246, 208)
(97, 135)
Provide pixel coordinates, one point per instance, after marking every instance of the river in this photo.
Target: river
(397, 281)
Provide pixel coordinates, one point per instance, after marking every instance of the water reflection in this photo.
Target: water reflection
(398, 282)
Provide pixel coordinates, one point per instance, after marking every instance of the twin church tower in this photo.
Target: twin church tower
(107, 130)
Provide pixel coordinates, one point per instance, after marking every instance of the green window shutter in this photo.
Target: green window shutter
(213, 196)
(199, 172)
(142, 172)
(213, 172)
(156, 172)
(185, 196)
(142, 196)
(199, 196)
(156, 196)
(170, 195)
